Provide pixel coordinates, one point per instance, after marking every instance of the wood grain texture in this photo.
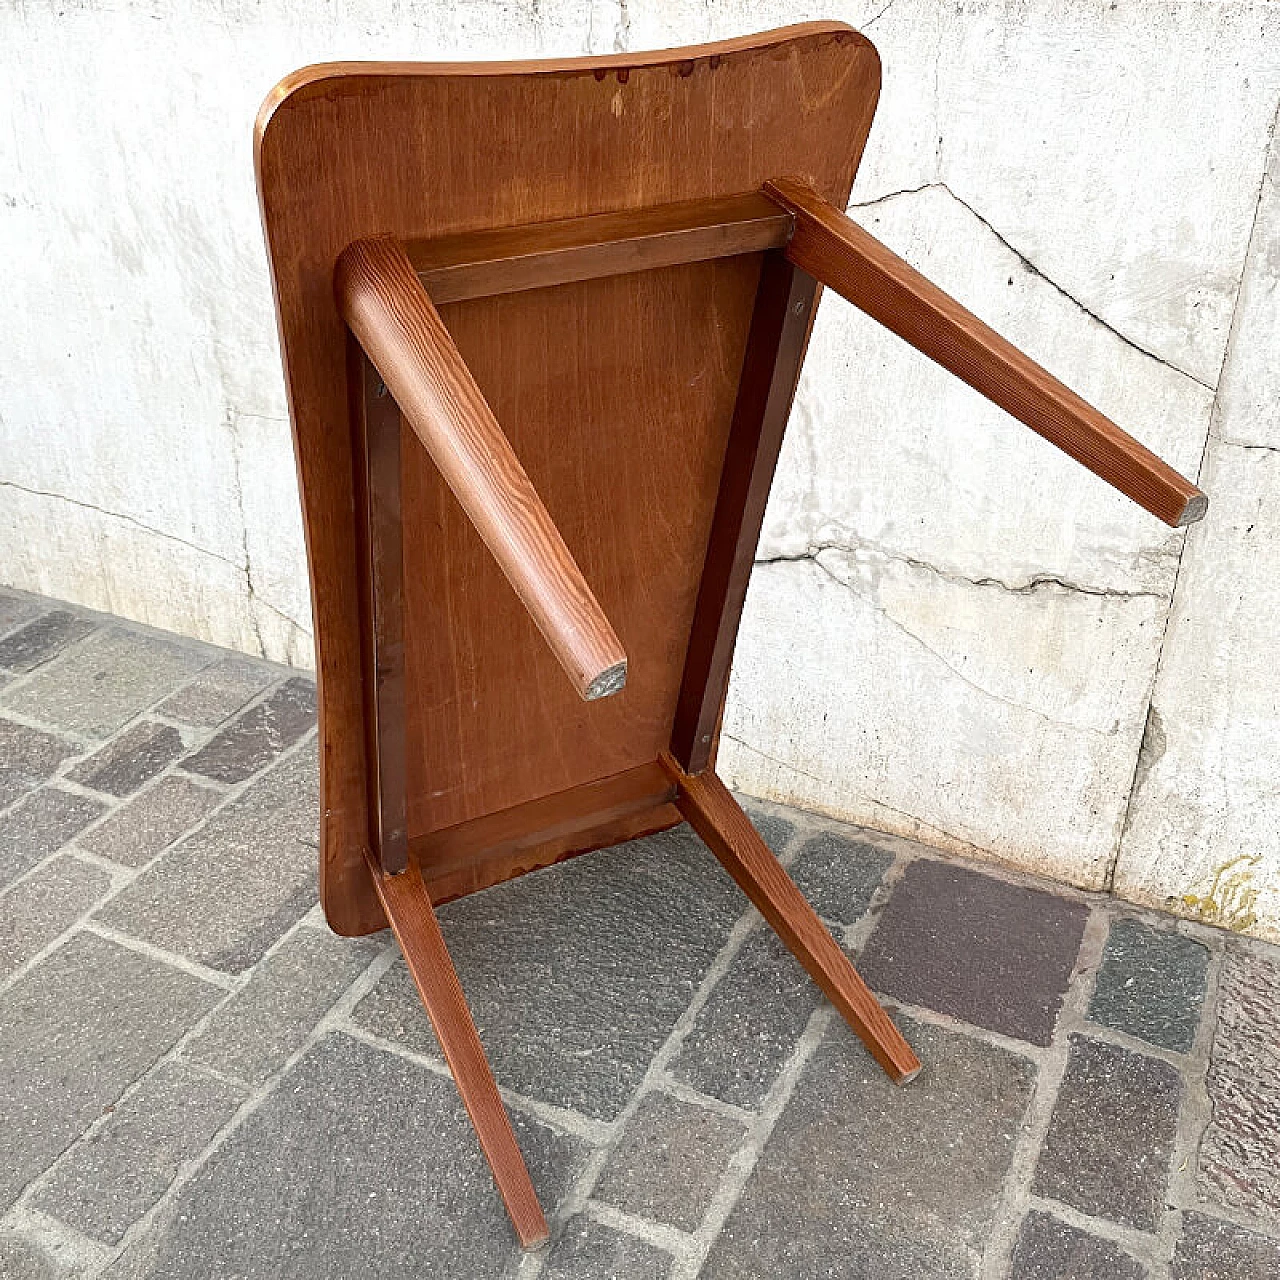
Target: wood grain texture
(786, 299)
(408, 908)
(717, 817)
(377, 423)
(511, 259)
(616, 393)
(395, 322)
(839, 253)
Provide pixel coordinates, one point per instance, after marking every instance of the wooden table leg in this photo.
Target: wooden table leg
(718, 818)
(404, 898)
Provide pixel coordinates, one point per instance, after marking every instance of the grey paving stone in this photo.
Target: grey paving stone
(135, 757)
(744, 1034)
(358, 1164)
(105, 681)
(838, 874)
(259, 736)
(219, 691)
(1111, 1134)
(111, 1178)
(45, 638)
(37, 825)
(1213, 1250)
(1049, 1249)
(772, 826)
(669, 1161)
(226, 893)
(995, 954)
(28, 757)
(1240, 1151)
(75, 1031)
(589, 1250)
(577, 974)
(253, 1033)
(22, 1258)
(151, 822)
(44, 905)
(864, 1180)
(1151, 984)
(17, 609)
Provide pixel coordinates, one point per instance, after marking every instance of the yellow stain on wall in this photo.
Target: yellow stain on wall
(1232, 897)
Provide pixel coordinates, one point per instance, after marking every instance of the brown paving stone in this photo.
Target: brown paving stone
(43, 821)
(45, 904)
(1111, 1134)
(1240, 1152)
(130, 760)
(865, 1180)
(42, 639)
(1049, 1249)
(260, 735)
(151, 822)
(219, 691)
(994, 954)
(1210, 1249)
(28, 757)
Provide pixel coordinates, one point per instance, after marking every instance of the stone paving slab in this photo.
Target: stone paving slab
(35, 911)
(1111, 1135)
(111, 1178)
(571, 1002)
(75, 1031)
(670, 1161)
(1050, 1249)
(105, 681)
(151, 821)
(40, 824)
(839, 874)
(16, 610)
(358, 1163)
(253, 741)
(995, 954)
(28, 757)
(1151, 984)
(224, 895)
(130, 760)
(865, 1180)
(1210, 1249)
(43, 639)
(251, 1035)
(218, 692)
(1240, 1154)
(589, 1250)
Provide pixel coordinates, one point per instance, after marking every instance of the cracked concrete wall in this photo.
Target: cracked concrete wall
(953, 631)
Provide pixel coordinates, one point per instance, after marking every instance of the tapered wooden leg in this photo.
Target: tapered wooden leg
(717, 817)
(405, 900)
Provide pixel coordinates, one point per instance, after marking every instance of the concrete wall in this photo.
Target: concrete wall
(953, 632)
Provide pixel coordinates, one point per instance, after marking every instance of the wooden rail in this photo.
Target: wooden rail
(393, 319)
(839, 253)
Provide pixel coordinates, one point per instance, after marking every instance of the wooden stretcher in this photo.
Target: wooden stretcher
(542, 324)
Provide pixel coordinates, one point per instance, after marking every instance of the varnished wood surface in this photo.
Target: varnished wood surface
(377, 423)
(512, 259)
(716, 816)
(408, 909)
(839, 253)
(615, 393)
(395, 322)
(786, 299)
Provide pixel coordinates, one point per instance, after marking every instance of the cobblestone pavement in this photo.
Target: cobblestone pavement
(199, 1080)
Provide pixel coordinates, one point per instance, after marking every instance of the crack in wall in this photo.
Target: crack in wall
(1036, 583)
(919, 640)
(234, 430)
(875, 17)
(1031, 267)
(1215, 410)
